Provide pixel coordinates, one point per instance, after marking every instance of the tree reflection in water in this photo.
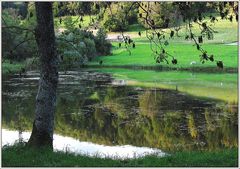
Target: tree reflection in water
(90, 108)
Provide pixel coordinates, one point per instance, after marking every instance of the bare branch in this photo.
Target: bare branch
(22, 42)
(18, 27)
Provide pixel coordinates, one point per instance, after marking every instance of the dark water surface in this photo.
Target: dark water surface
(93, 107)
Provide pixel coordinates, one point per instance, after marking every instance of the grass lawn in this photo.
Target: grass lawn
(226, 32)
(222, 86)
(20, 156)
(185, 54)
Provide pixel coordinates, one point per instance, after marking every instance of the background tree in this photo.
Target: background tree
(17, 34)
(118, 17)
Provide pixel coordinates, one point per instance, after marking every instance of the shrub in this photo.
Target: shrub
(72, 58)
(90, 49)
(71, 48)
(76, 47)
(103, 46)
(112, 23)
(32, 63)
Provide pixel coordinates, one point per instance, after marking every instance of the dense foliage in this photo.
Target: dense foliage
(18, 41)
(79, 46)
(76, 46)
(103, 47)
(118, 16)
(20, 7)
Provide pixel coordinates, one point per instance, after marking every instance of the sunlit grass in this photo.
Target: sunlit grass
(184, 53)
(226, 32)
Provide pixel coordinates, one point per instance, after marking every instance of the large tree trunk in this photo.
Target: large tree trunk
(43, 125)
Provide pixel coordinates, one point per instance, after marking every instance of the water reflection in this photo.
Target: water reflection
(70, 145)
(95, 108)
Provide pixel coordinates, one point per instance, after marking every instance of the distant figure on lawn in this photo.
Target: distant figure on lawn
(193, 63)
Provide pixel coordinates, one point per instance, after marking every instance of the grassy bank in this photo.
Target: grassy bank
(185, 54)
(18, 155)
(222, 86)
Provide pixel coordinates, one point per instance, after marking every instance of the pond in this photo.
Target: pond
(97, 114)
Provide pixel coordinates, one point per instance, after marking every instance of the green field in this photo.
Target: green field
(20, 156)
(226, 32)
(184, 53)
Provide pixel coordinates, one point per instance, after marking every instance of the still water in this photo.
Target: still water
(98, 114)
(71, 145)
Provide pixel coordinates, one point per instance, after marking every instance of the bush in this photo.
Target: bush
(113, 24)
(102, 45)
(32, 63)
(90, 48)
(72, 58)
(76, 47)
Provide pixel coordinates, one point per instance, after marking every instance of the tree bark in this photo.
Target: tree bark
(43, 125)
